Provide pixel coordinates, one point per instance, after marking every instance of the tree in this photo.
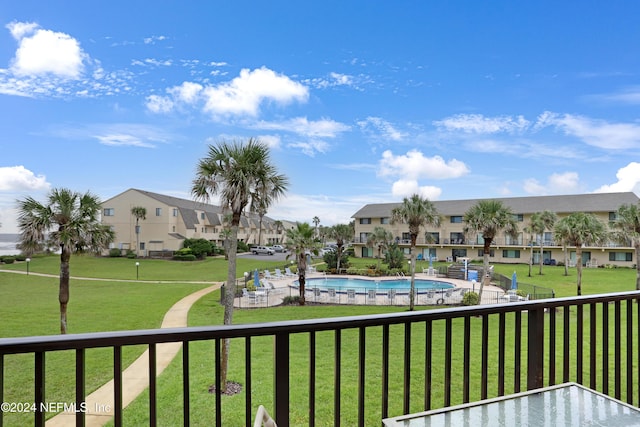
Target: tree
(379, 239)
(530, 230)
(540, 222)
(239, 174)
(264, 198)
(488, 218)
(139, 212)
(416, 212)
(300, 242)
(72, 221)
(342, 233)
(278, 225)
(580, 229)
(316, 222)
(561, 234)
(626, 230)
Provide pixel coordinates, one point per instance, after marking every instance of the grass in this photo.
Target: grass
(30, 308)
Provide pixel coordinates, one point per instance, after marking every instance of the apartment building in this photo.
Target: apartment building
(449, 242)
(169, 220)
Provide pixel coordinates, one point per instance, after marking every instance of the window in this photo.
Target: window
(510, 253)
(384, 220)
(365, 220)
(613, 216)
(364, 237)
(109, 212)
(518, 217)
(175, 211)
(456, 219)
(492, 253)
(620, 256)
(142, 246)
(433, 237)
(202, 216)
(158, 211)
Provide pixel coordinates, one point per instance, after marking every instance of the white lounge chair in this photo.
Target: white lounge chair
(268, 276)
(251, 296)
(263, 419)
(278, 274)
(288, 272)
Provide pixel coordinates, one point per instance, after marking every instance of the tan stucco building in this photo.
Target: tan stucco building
(170, 220)
(449, 241)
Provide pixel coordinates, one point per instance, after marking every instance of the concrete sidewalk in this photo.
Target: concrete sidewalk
(135, 378)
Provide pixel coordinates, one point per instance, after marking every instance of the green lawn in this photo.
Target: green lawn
(30, 308)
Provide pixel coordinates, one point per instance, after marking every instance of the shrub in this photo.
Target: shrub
(470, 298)
(242, 247)
(291, 300)
(184, 254)
(131, 254)
(115, 252)
(199, 247)
(331, 259)
(8, 259)
(21, 257)
(394, 257)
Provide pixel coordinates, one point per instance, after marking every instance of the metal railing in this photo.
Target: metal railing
(379, 365)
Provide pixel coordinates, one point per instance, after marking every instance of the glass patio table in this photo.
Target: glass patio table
(567, 404)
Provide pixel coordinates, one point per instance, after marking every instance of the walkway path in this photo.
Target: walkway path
(135, 379)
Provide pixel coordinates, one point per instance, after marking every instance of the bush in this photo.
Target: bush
(331, 260)
(184, 254)
(291, 300)
(8, 259)
(115, 252)
(199, 247)
(21, 257)
(131, 254)
(242, 247)
(470, 298)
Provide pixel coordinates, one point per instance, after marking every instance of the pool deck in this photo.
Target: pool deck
(283, 287)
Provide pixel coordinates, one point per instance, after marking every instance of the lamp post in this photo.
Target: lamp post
(137, 270)
(28, 260)
(246, 278)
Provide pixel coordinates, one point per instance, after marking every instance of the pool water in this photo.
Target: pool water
(341, 284)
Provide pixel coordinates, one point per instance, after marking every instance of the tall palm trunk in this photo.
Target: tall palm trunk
(579, 268)
(229, 295)
(63, 293)
(485, 266)
(302, 275)
(412, 268)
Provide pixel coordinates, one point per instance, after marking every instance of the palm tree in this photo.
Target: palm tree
(343, 233)
(300, 241)
(540, 222)
(239, 174)
(580, 229)
(70, 220)
(380, 239)
(627, 231)
(530, 229)
(488, 218)
(140, 213)
(265, 196)
(316, 222)
(416, 212)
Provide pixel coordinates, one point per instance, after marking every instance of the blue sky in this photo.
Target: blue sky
(360, 102)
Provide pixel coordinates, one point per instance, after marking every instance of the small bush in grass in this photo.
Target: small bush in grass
(470, 298)
(291, 300)
(131, 254)
(8, 259)
(115, 252)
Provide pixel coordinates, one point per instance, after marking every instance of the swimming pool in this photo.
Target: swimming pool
(361, 285)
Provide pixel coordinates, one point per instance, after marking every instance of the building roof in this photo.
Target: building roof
(188, 209)
(595, 202)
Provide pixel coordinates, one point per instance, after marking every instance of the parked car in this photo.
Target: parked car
(279, 248)
(324, 251)
(262, 250)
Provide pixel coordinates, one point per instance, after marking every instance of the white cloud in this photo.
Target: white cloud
(324, 128)
(187, 92)
(415, 165)
(479, 124)
(628, 180)
(271, 141)
(43, 51)
(244, 94)
(408, 187)
(310, 148)
(19, 178)
(557, 183)
(159, 104)
(381, 128)
(119, 140)
(597, 133)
